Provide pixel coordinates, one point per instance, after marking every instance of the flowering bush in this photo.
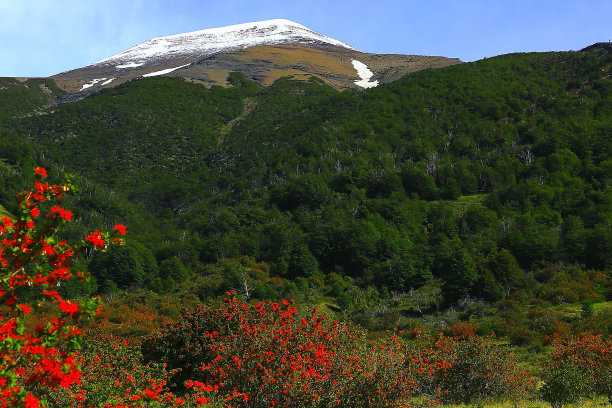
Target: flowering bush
(267, 355)
(580, 365)
(460, 329)
(113, 376)
(466, 369)
(33, 262)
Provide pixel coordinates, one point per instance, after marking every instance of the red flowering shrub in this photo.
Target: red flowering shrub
(555, 333)
(460, 329)
(33, 262)
(266, 355)
(466, 370)
(580, 365)
(414, 333)
(113, 376)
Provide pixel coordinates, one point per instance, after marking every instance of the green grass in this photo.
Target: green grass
(596, 402)
(601, 307)
(569, 311)
(463, 203)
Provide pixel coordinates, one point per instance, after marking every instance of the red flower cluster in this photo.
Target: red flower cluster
(61, 212)
(97, 239)
(101, 240)
(585, 350)
(41, 171)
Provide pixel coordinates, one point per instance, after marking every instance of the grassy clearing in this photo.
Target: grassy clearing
(602, 307)
(597, 402)
(463, 203)
(569, 311)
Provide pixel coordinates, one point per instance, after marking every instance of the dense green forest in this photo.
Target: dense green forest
(487, 180)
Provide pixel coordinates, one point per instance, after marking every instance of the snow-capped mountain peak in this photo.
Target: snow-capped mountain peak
(262, 51)
(210, 41)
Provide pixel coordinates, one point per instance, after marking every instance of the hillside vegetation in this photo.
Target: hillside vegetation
(488, 180)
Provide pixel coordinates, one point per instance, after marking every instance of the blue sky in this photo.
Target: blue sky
(45, 37)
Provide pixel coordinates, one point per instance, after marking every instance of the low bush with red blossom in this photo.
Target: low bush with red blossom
(267, 354)
(466, 370)
(580, 366)
(113, 375)
(415, 333)
(460, 329)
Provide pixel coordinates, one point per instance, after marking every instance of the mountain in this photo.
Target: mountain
(477, 175)
(211, 41)
(263, 51)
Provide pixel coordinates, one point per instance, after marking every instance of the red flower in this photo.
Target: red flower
(30, 400)
(68, 307)
(25, 309)
(96, 239)
(63, 213)
(121, 229)
(7, 222)
(41, 171)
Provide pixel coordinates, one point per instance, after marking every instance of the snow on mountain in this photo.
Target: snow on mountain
(365, 74)
(164, 71)
(211, 41)
(92, 83)
(129, 65)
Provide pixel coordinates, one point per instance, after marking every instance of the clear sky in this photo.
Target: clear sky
(45, 37)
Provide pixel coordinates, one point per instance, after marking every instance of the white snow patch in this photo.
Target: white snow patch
(129, 65)
(213, 40)
(108, 82)
(92, 83)
(164, 71)
(365, 74)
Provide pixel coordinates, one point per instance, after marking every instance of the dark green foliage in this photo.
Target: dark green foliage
(416, 181)
(460, 276)
(173, 268)
(22, 97)
(125, 266)
(169, 346)
(506, 270)
(302, 263)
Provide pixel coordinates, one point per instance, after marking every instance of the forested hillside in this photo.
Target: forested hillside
(477, 176)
